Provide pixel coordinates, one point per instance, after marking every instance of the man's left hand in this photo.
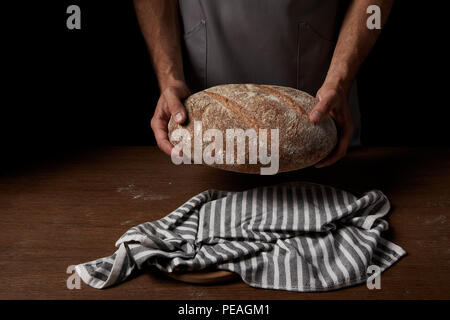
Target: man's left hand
(333, 100)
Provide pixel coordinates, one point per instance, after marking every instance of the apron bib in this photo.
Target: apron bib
(280, 42)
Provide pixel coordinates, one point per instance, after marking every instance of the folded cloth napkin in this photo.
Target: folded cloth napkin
(294, 236)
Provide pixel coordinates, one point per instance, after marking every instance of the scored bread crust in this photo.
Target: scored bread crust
(245, 106)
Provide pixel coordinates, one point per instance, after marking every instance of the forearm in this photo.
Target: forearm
(158, 20)
(354, 42)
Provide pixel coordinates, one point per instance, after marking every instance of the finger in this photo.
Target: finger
(341, 149)
(163, 143)
(336, 155)
(175, 106)
(161, 111)
(159, 126)
(322, 108)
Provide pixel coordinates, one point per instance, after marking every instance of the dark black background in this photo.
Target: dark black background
(67, 89)
(279, 309)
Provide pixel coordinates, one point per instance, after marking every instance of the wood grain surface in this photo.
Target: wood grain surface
(72, 210)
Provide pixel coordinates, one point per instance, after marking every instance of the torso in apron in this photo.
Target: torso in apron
(281, 42)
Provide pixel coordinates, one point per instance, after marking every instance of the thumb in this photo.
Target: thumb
(176, 108)
(322, 108)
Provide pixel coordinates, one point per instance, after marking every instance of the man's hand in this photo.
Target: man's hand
(169, 104)
(159, 22)
(333, 100)
(354, 43)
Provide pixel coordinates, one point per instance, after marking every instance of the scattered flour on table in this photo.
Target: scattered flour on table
(440, 219)
(141, 194)
(126, 222)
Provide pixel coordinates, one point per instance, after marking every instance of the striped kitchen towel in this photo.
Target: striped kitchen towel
(293, 236)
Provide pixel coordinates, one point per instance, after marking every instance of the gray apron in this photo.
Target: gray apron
(280, 42)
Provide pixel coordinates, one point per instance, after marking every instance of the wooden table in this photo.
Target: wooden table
(73, 209)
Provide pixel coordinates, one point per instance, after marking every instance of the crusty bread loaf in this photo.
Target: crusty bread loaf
(252, 106)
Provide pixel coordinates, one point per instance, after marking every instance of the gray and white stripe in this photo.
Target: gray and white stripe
(294, 236)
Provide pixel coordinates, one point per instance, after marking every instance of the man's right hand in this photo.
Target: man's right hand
(169, 104)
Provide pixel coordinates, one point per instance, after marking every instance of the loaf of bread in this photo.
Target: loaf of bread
(262, 108)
